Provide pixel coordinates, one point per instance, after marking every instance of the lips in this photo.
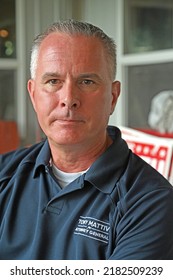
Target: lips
(66, 119)
(69, 121)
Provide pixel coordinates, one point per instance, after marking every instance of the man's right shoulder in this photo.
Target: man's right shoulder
(11, 160)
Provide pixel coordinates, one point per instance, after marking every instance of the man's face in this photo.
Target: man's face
(72, 92)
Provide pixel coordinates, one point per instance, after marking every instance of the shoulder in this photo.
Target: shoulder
(141, 182)
(139, 172)
(9, 162)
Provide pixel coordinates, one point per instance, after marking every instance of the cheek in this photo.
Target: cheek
(105, 102)
(43, 110)
(44, 103)
(100, 107)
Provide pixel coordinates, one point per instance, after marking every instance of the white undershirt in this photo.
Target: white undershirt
(65, 178)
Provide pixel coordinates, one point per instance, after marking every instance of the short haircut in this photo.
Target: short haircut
(73, 27)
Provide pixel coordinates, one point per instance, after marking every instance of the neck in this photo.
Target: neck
(76, 158)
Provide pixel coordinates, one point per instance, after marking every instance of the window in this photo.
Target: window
(7, 29)
(144, 83)
(8, 110)
(12, 71)
(145, 56)
(7, 95)
(148, 25)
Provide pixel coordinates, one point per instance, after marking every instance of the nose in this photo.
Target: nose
(69, 98)
(70, 103)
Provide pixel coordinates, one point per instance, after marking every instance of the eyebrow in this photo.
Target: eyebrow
(80, 76)
(50, 75)
(90, 75)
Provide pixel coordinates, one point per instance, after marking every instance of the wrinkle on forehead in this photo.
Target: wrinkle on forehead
(73, 54)
(57, 43)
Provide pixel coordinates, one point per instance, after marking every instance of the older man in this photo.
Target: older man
(81, 193)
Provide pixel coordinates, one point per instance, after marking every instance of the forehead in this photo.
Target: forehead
(76, 46)
(77, 53)
(64, 39)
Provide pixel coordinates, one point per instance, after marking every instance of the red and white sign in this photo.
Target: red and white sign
(157, 151)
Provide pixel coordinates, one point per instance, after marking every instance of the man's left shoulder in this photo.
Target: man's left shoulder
(141, 176)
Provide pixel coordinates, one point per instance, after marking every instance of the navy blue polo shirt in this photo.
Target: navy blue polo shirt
(121, 208)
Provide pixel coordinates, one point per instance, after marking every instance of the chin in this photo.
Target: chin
(66, 139)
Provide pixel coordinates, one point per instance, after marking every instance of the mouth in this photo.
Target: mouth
(69, 121)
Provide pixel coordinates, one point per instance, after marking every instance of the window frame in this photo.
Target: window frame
(19, 65)
(126, 60)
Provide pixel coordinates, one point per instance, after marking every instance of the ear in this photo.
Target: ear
(116, 88)
(31, 90)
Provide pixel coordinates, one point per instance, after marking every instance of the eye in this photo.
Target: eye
(87, 82)
(53, 81)
(53, 84)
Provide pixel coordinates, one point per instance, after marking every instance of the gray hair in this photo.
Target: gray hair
(73, 27)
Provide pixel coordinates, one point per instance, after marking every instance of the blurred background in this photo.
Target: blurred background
(142, 29)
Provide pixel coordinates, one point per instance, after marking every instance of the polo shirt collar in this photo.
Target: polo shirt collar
(105, 172)
(43, 158)
(107, 169)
